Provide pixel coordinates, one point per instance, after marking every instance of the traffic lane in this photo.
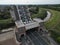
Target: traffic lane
(37, 35)
(30, 41)
(35, 41)
(23, 40)
(40, 39)
(27, 40)
(45, 43)
(8, 42)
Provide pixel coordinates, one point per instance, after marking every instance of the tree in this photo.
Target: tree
(34, 10)
(58, 39)
(5, 14)
(41, 14)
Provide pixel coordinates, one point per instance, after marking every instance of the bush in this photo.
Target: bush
(6, 23)
(5, 19)
(56, 36)
(58, 39)
(42, 14)
(34, 10)
(5, 15)
(52, 7)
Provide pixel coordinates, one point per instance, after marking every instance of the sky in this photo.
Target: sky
(29, 2)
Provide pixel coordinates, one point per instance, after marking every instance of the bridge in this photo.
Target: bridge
(24, 26)
(22, 17)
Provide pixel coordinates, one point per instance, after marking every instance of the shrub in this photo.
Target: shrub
(58, 39)
(6, 23)
(42, 14)
(5, 15)
(55, 35)
(34, 10)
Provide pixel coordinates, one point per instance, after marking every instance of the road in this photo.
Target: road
(7, 35)
(34, 38)
(7, 38)
(46, 18)
(8, 42)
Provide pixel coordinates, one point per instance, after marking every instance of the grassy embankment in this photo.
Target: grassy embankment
(54, 25)
(6, 23)
(42, 13)
(54, 22)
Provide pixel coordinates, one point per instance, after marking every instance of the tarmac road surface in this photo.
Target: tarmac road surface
(7, 38)
(8, 42)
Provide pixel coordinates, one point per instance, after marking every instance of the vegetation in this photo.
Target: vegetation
(6, 23)
(54, 21)
(54, 25)
(41, 14)
(55, 35)
(53, 7)
(34, 10)
(5, 18)
(4, 15)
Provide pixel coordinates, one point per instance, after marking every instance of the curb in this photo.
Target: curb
(6, 30)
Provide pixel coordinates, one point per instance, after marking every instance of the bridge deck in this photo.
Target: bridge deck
(28, 26)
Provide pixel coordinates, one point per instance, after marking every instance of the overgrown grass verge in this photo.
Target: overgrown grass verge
(54, 25)
(6, 23)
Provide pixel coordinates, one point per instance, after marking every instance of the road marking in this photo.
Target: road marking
(36, 38)
(43, 38)
(30, 40)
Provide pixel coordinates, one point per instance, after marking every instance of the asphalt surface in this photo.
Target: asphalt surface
(7, 38)
(7, 35)
(34, 38)
(8, 42)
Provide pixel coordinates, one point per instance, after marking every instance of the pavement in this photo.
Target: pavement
(46, 19)
(48, 16)
(8, 38)
(7, 35)
(8, 42)
(7, 30)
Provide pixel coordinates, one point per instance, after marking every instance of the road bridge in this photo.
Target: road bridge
(23, 22)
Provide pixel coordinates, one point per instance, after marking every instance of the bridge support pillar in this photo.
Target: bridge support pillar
(39, 29)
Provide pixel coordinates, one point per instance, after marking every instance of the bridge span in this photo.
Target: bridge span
(23, 21)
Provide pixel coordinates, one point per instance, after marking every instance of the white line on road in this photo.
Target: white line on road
(30, 40)
(35, 37)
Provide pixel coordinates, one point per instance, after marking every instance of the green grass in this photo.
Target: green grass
(42, 13)
(6, 21)
(54, 22)
(54, 25)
